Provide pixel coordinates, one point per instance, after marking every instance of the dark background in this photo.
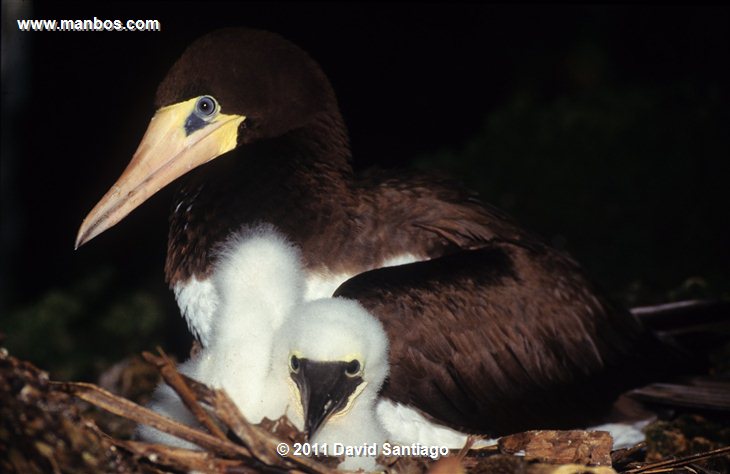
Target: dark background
(605, 129)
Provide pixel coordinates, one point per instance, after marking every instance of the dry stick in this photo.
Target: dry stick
(459, 457)
(229, 414)
(251, 435)
(175, 381)
(182, 459)
(124, 408)
(623, 456)
(177, 458)
(672, 463)
(470, 440)
(261, 443)
(202, 392)
(469, 446)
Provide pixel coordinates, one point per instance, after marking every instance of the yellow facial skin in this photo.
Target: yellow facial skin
(358, 390)
(165, 153)
(350, 401)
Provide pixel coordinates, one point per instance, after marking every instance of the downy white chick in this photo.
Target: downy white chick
(259, 279)
(336, 359)
(322, 363)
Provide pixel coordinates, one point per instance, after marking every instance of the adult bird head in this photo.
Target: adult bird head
(230, 88)
(337, 359)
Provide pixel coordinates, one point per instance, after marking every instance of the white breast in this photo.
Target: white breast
(407, 426)
(198, 299)
(625, 435)
(323, 284)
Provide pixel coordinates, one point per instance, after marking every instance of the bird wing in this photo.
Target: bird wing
(439, 205)
(500, 339)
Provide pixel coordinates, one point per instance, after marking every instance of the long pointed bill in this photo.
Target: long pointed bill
(325, 390)
(165, 153)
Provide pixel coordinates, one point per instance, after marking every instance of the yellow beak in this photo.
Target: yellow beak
(165, 153)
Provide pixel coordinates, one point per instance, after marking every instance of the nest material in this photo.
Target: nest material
(44, 427)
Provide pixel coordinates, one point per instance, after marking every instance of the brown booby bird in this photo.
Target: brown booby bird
(491, 330)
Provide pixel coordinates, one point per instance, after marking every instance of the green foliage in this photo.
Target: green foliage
(76, 331)
(627, 178)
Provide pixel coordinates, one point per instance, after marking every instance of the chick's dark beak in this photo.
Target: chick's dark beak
(324, 389)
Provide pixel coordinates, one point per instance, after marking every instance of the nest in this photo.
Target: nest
(45, 427)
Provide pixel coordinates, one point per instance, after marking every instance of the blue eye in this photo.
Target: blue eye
(206, 107)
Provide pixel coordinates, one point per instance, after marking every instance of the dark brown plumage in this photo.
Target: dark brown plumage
(496, 334)
(507, 338)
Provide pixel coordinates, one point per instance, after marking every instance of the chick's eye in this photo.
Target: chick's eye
(206, 106)
(352, 368)
(294, 363)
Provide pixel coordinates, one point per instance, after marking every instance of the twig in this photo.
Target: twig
(669, 464)
(178, 458)
(624, 456)
(175, 381)
(130, 410)
(261, 443)
(482, 450)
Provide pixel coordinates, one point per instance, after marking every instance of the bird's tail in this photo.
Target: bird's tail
(698, 326)
(702, 329)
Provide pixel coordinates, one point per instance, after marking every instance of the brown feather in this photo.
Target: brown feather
(506, 338)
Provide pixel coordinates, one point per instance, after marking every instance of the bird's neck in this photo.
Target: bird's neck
(298, 182)
(322, 145)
